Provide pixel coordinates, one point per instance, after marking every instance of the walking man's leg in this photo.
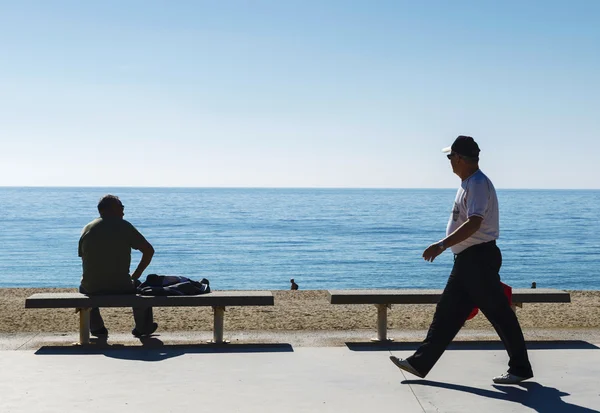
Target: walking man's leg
(488, 294)
(450, 315)
(507, 326)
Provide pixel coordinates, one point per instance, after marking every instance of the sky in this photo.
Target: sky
(288, 93)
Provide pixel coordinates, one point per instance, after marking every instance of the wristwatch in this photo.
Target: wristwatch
(441, 245)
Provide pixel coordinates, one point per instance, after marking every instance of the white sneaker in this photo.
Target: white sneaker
(403, 364)
(509, 378)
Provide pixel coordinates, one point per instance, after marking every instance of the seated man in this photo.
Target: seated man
(294, 285)
(105, 249)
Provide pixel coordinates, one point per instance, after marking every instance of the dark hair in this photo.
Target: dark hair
(106, 202)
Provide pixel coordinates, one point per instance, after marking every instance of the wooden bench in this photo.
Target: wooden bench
(218, 300)
(383, 299)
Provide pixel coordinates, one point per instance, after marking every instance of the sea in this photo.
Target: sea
(321, 238)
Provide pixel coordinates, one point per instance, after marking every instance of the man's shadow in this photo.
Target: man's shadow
(540, 398)
(153, 349)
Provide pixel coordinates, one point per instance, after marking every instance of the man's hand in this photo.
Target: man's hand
(432, 251)
(468, 228)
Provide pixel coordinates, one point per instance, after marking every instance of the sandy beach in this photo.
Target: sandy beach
(293, 311)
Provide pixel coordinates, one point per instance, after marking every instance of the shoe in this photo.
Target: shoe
(403, 364)
(509, 378)
(137, 334)
(101, 332)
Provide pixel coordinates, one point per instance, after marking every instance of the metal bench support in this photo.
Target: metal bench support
(219, 315)
(515, 305)
(84, 325)
(382, 323)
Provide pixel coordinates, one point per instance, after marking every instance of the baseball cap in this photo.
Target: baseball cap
(465, 146)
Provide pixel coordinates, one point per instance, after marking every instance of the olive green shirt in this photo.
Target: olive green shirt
(105, 249)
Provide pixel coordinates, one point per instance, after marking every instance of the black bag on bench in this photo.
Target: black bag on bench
(172, 285)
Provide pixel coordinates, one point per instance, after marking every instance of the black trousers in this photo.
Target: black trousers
(474, 282)
(142, 316)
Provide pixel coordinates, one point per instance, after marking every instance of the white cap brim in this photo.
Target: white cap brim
(447, 149)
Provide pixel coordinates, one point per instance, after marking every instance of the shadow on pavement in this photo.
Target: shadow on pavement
(153, 349)
(474, 345)
(540, 398)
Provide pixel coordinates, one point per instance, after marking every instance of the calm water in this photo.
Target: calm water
(324, 238)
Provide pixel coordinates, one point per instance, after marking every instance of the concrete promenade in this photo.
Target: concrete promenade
(128, 376)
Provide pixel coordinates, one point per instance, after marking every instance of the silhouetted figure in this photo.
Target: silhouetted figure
(533, 285)
(105, 250)
(294, 285)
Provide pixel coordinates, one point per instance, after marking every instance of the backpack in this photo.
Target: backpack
(172, 285)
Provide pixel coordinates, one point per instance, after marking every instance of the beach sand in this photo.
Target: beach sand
(293, 311)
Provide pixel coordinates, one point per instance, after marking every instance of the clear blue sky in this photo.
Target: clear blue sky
(289, 93)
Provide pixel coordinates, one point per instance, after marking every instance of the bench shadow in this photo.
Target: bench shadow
(542, 399)
(473, 345)
(153, 349)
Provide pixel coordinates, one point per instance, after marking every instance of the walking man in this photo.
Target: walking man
(105, 250)
(474, 281)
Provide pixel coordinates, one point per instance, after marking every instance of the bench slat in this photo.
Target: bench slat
(216, 298)
(416, 296)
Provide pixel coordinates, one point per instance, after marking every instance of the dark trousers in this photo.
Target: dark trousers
(474, 282)
(142, 316)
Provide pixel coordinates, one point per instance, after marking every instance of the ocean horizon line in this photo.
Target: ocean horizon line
(278, 187)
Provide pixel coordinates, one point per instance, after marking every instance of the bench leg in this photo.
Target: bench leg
(84, 325)
(219, 315)
(381, 323)
(515, 305)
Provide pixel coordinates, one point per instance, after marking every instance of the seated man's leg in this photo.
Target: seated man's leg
(96, 321)
(144, 320)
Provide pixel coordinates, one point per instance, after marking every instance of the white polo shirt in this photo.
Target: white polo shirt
(475, 197)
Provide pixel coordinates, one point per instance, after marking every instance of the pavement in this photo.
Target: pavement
(286, 373)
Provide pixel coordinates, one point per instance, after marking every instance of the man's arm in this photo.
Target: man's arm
(147, 254)
(471, 225)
